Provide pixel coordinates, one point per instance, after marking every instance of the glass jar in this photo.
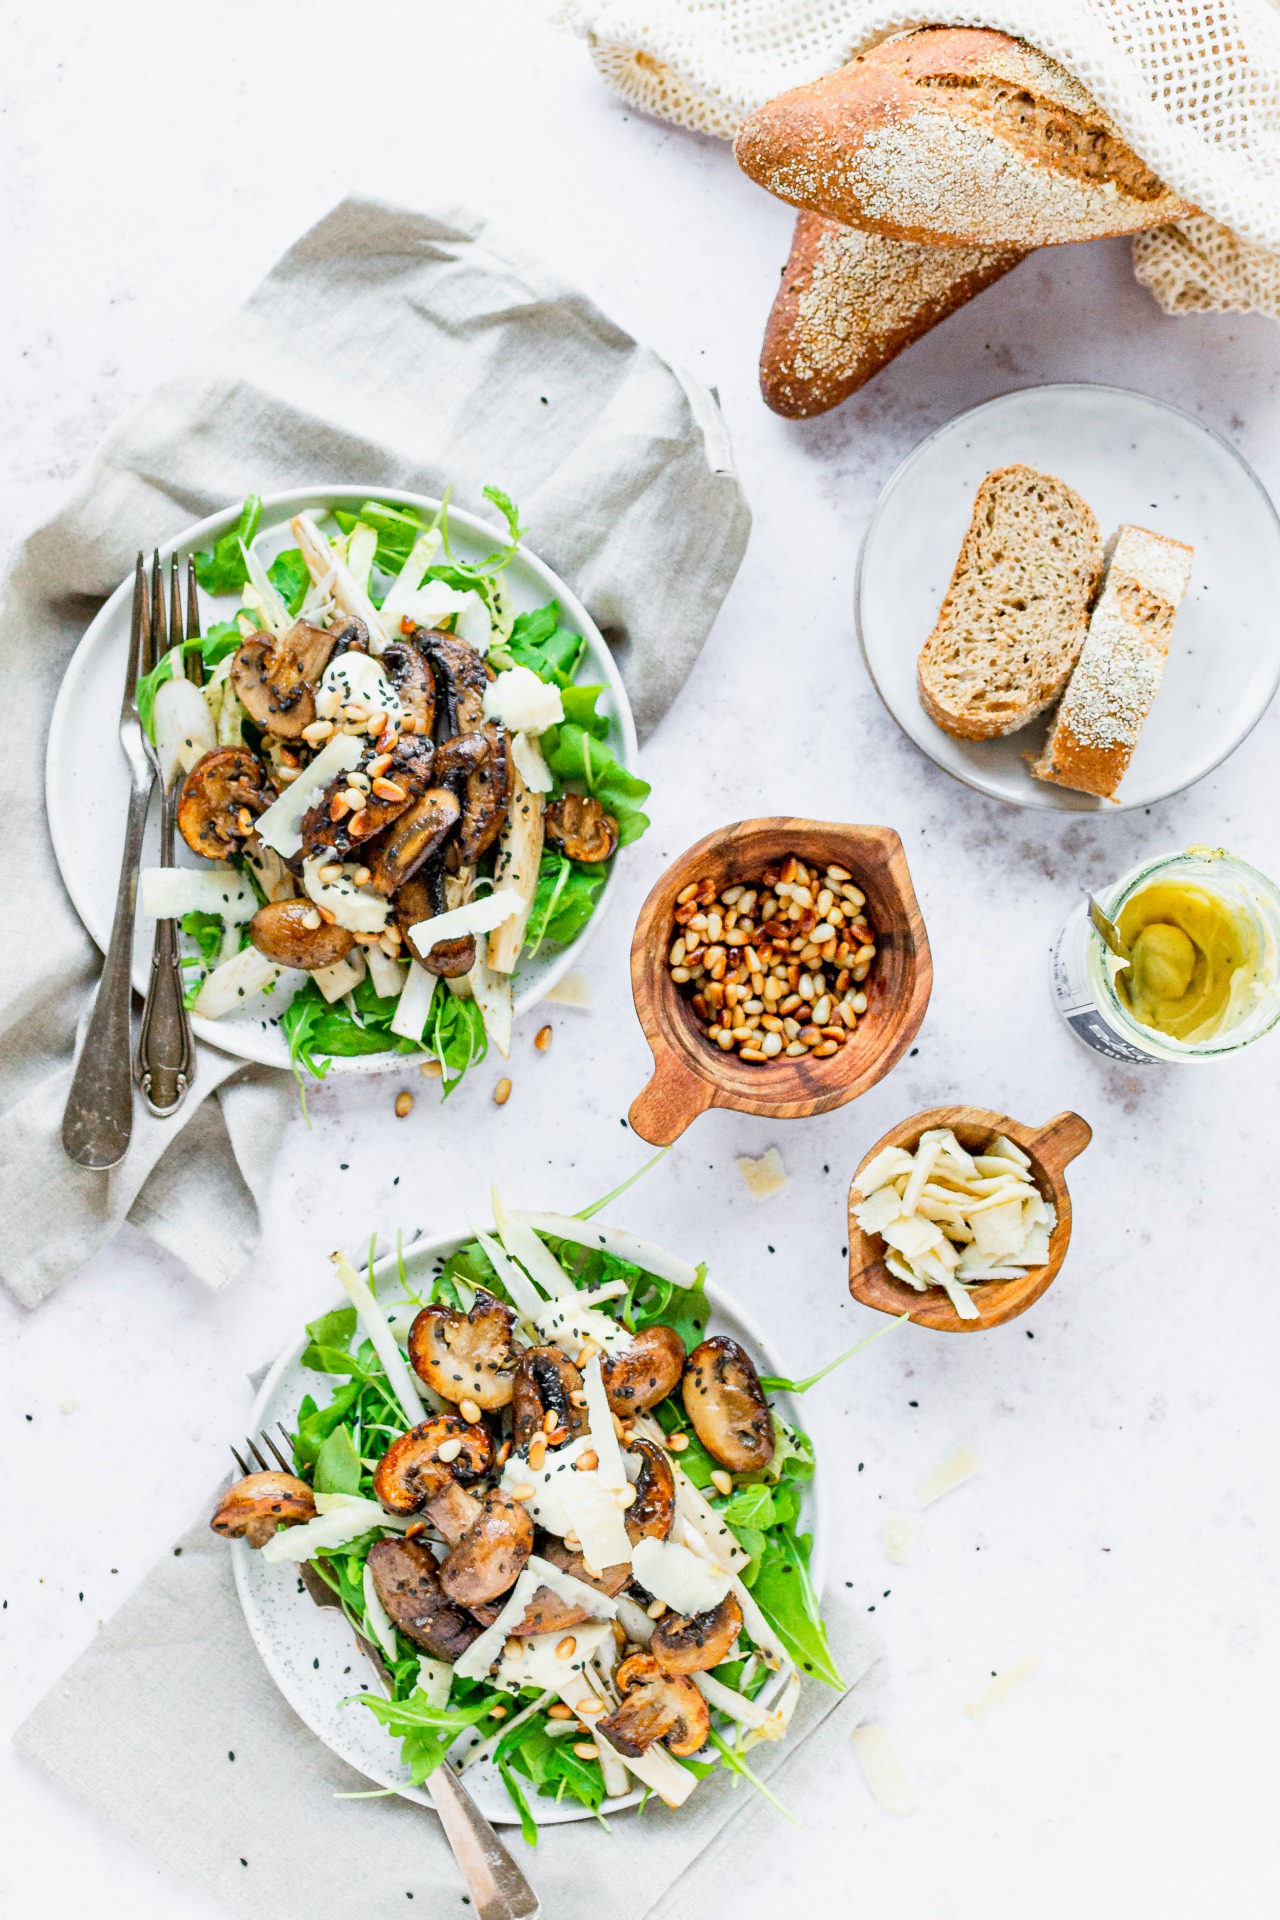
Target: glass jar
(1084, 972)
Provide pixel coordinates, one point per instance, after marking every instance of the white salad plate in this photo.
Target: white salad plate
(310, 1651)
(1134, 459)
(87, 780)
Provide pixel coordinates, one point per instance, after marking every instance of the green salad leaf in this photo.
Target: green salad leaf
(289, 576)
(338, 1468)
(425, 1732)
(317, 1031)
(223, 570)
(784, 1592)
(540, 642)
(564, 900)
(576, 754)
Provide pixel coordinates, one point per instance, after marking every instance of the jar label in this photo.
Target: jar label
(1069, 979)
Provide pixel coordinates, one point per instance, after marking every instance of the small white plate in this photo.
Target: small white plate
(1134, 459)
(87, 782)
(311, 1653)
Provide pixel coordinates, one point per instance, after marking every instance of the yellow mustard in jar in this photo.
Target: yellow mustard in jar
(1198, 957)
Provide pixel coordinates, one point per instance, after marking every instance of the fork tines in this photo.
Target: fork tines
(264, 1465)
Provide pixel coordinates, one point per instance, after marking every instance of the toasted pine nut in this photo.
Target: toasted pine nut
(523, 1493)
(449, 1450)
(558, 1709)
(542, 1038)
(537, 1453)
(572, 1540)
(470, 1412)
(311, 919)
(586, 1749)
(677, 1442)
(824, 1048)
(431, 1070)
(687, 893)
(354, 798)
(656, 1609)
(619, 1634)
(626, 1496)
(585, 1462)
(503, 1454)
(722, 1481)
(577, 1398)
(389, 789)
(588, 1709)
(404, 1104)
(318, 730)
(550, 1420)
(502, 1093)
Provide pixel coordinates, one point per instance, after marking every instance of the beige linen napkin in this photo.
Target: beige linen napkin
(387, 348)
(170, 1727)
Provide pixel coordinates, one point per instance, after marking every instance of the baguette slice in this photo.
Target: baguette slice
(1118, 675)
(954, 136)
(1016, 612)
(849, 302)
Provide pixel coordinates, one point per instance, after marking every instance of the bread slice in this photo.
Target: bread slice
(1015, 614)
(954, 136)
(849, 302)
(1118, 675)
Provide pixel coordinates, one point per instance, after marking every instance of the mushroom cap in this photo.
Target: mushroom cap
(487, 793)
(423, 898)
(407, 1580)
(644, 1373)
(655, 1706)
(409, 774)
(255, 1507)
(579, 824)
(409, 674)
(546, 1381)
(411, 840)
(725, 1401)
(466, 1356)
(274, 678)
(491, 1554)
(461, 676)
(284, 932)
(652, 1513)
(220, 799)
(694, 1643)
(411, 1472)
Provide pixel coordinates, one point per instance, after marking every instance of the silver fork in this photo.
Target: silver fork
(498, 1889)
(166, 1056)
(98, 1120)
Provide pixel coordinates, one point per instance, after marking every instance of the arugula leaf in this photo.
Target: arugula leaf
(774, 1383)
(564, 900)
(223, 570)
(223, 637)
(315, 1424)
(338, 1468)
(329, 1347)
(426, 1733)
(572, 753)
(539, 641)
(528, 1825)
(289, 576)
(317, 1032)
(784, 1592)
(206, 930)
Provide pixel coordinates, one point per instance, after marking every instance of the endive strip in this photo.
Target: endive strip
(362, 544)
(521, 1289)
(326, 568)
(516, 869)
(378, 1618)
(614, 1240)
(375, 1324)
(748, 1713)
(406, 583)
(523, 1244)
(340, 1519)
(272, 607)
(492, 994)
(234, 982)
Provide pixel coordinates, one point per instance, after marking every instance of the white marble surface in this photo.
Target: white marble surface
(1123, 1525)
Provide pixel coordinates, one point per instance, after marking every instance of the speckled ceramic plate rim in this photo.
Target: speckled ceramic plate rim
(484, 1784)
(109, 628)
(1043, 795)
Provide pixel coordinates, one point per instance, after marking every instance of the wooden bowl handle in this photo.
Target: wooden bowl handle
(671, 1102)
(1062, 1139)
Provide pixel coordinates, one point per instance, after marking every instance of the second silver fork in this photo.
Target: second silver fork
(166, 1053)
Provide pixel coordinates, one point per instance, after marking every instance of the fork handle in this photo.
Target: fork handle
(98, 1121)
(165, 1052)
(498, 1889)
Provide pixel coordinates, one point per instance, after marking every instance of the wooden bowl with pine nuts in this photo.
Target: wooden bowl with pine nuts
(811, 1071)
(1049, 1148)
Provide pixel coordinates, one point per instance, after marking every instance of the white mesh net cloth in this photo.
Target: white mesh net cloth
(1194, 86)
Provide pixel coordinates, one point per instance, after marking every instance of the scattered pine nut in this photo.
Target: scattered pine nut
(586, 1749)
(566, 1648)
(498, 1712)
(542, 1038)
(470, 1412)
(722, 1481)
(404, 1104)
(587, 1462)
(511, 1650)
(431, 1070)
(677, 1442)
(537, 1452)
(449, 1451)
(558, 1710)
(626, 1496)
(656, 1609)
(502, 1093)
(523, 1493)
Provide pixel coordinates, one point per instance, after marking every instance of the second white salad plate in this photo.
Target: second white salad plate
(87, 779)
(311, 1653)
(1135, 460)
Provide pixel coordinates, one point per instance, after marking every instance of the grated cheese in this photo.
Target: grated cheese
(960, 1465)
(571, 990)
(882, 1769)
(280, 826)
(896, 1535)
(1002, 1686)
(688, 1583)
(764, 1177)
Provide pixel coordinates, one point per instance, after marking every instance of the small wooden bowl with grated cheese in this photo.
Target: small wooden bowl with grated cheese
(946, 1192)
(690, 1073)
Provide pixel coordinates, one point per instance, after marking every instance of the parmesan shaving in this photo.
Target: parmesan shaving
(882, 1769)
(764, 1177)
(573, 989)
(1002, 1686)
(896, 1535)
(960, 1465)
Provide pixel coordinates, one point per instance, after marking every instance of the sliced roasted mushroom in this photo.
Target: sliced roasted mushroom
(293, 934)
(349, 634)
(547, 1612)
(411, 1477)
(407, 1579)
(724, 1400)
(655, 1706)
(492, 1553)
(546, 1382)
(260, 1503)
(644, 1373)
(274, 679)
(609, 1580)
(461, 675)
(332, 825)
(478, 768)
(579, 824)
(448, 958)
(466, 1356)
(412, 679)
(652, 1513)
(696, 1642)
(412, 839)
(220, 799)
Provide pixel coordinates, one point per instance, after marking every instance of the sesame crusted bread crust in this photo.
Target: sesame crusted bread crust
(850, 301)
(954, 136)
(1014, 618)
(1121, 665)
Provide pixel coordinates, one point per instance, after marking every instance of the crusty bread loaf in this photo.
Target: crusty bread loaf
(956, 136)
(1015, 614)
(1121, 665)
(849, 302)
